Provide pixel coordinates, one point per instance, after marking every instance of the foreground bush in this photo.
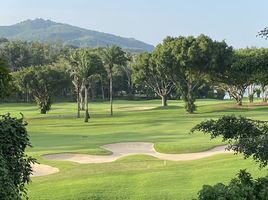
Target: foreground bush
(244, 187)
(15, 166)
(246, 136)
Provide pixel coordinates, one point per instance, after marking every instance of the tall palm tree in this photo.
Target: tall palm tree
(113, 56)
(93, 65)
(75, 73)
(87, 64)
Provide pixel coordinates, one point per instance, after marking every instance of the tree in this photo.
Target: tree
(76, 75)
(5, 79)
(113, 56)
(128, 69)
(91, 67)
(147, 71)
(85, 66)
(238, 75)
(17, 54)
(21, 54)
(246, 136)
(188, 60)
(43, 82)
(15, 165)
(261, 71)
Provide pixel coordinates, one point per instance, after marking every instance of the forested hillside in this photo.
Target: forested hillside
(48, 31)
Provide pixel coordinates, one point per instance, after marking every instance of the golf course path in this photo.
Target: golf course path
(120, 150)
(43, 170)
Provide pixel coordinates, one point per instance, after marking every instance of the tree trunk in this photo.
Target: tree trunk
(78, 102)
(263, 91)
(86, 103)
(43, 111)
(265, 95)
(129, 85)
(27, 96)
(239, 101)
(251, 98)
(111, 92)
(82, 99)
(251, 93)
(44, 103)
(102, 92)
(164, 100)
(189, 100)
(102, 89)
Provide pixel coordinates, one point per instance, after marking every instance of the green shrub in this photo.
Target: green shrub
(241, 188)
(15, 166)
(246, 136)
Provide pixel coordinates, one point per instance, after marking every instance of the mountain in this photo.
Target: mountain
(49, 31)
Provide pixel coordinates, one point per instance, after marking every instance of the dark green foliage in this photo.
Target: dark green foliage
(46, 30)
(249, 66)
(188, 60)
(241, 188)
(149, 73)
(220, 94)
(5, 79)
(260, 73)
(113, 57)
(8, 189)
(42, 82)
(244, 135)
(21, 54)
(264, 33)
(258, 93)
(15, 166)
(85, 67)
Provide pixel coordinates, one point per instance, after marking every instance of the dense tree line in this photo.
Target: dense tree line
(191, 64)
(179, 67)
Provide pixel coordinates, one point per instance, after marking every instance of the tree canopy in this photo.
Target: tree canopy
(147, 71)
(42, 82)
(85, 65)
(113, 56)
(188, 60)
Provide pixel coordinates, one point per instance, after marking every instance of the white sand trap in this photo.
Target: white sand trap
(132, 148)
(43, 170)
(140, 108)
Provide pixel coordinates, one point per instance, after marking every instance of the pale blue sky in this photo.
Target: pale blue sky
(236, 21)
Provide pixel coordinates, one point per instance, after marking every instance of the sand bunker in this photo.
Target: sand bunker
(120, 150)
(140, 108)
(43, 170)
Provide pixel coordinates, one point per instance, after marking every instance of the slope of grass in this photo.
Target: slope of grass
(135, 177)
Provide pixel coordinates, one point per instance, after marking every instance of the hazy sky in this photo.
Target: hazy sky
(236, 21)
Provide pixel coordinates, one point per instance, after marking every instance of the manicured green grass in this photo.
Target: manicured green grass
(135, 177)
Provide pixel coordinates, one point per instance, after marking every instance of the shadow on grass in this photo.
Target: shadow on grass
(232, 108)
